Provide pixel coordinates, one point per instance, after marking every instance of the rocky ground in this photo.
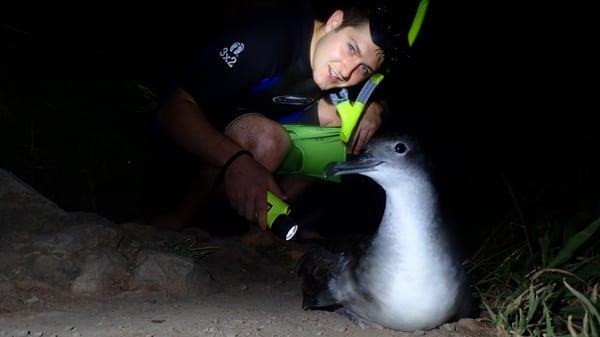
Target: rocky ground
(79, 274)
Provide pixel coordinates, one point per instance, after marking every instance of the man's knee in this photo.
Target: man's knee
(266, 139)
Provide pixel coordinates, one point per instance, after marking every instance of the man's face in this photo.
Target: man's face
(344, 57)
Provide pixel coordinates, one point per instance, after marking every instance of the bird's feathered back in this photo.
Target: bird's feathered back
(316, 268)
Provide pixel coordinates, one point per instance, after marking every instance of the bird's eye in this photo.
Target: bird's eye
(401, 148)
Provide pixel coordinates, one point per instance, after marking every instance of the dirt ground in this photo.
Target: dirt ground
(259, 309)
(257, 306)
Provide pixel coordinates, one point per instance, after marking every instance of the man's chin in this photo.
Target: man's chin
(323, 85)
(327, 86)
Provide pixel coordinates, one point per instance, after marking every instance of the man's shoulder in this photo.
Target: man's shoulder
(267, 38)
(269, 26)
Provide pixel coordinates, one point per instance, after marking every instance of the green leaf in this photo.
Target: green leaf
(533, 302)
(573, 243)
(549, 327)
(593, 328)
(585, 301)
(545, 246)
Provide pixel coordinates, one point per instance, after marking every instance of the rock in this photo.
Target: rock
(10, 268)
(449, 326)
(261, 240)
(24, 209)
(170, 274)
(468, 324)
(139, 231)
(55, 270)
(52, 267)
(21, 333)
(15, 242)
(32, 299)
(63, 244)
(472, 326)
(86, 236)
(7, 287)
(29, 285)
(340, 328)
(229, 333)
(95, 230)
(198, 234)
(103, 271)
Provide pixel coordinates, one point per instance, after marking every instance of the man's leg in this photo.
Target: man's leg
(265, 138)
(295, 185)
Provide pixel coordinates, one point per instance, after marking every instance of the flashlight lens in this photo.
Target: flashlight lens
(284, 227)
(290, 234)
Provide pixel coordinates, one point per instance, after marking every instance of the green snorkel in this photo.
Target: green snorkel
(315, 147)
(349, 112)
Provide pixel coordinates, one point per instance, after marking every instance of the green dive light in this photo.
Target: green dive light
(278, 219)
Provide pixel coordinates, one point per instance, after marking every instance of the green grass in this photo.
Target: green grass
(187, 247)
(545, 288)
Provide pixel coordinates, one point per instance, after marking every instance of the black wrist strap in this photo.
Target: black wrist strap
(232, 159)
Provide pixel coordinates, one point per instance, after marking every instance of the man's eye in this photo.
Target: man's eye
(351, 48)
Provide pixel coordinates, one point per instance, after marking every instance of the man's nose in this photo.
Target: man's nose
(348, 66)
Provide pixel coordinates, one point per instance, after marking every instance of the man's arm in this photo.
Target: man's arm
(187, 124)
(367, 126)
(246, 180)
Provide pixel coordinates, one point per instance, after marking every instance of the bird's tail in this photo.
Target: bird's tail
(316, 268)
(469, 305)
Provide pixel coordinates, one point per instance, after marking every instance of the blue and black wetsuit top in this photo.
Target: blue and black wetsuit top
(259, 66)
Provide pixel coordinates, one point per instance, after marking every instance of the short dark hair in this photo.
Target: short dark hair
(354, 17)
(390, 24)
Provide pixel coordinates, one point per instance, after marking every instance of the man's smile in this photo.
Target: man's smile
(333, 75)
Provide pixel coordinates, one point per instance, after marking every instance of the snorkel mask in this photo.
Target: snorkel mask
(395, 30)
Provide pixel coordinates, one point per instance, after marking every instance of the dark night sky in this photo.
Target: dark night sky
(497, 86)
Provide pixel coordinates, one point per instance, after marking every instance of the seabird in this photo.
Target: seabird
(407, 277)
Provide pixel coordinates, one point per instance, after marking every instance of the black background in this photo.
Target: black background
(500, 93)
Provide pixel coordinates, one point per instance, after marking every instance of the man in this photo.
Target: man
(227, 110)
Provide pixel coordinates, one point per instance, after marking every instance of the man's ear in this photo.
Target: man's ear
(334, 21)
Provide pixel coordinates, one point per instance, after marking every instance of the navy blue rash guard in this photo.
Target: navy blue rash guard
(262, 66)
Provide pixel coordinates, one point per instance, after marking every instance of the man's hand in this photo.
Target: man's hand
(246, 185)
(366, 128)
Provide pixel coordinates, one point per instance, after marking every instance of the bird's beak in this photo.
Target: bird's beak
(363, 163)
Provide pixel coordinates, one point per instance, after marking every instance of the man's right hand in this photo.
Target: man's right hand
(246, 184)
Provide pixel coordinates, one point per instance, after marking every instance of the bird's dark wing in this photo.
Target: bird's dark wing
(316, 268)
(320, 265)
